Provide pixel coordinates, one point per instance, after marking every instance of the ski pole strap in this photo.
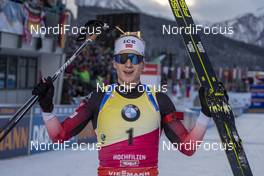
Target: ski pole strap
(150, 97)
(173, 116)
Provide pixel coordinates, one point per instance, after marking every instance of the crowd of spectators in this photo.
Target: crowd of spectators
(91, 68)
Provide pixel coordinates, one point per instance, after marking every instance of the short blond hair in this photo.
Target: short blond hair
(135, 34)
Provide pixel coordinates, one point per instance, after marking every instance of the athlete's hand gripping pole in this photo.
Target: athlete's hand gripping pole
(25, 108)
(205, 94)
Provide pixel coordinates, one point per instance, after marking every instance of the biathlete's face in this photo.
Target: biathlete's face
(129, 67)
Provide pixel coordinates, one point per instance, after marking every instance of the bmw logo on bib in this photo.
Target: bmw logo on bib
(130, 113)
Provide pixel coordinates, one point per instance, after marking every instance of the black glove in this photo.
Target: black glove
(45, 91)
(90, 24)
(203, 94)
(203, 100)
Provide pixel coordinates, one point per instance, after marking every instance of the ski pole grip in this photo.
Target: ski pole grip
(93, 36)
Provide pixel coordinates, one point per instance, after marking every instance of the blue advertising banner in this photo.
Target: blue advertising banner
(39, 139)
(16, 142)
(257, 105)
(257, 97)
(30, 135)
(252, 87)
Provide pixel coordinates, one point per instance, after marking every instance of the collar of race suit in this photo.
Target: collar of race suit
(134, 91)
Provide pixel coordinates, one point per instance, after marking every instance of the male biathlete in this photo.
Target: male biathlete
(128, 123)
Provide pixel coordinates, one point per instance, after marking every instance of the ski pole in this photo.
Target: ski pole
(34, 98)
(24, 109)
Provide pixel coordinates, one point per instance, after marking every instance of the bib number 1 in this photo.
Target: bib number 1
(130, 133)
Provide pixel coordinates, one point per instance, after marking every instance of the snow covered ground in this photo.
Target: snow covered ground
(171, 163)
